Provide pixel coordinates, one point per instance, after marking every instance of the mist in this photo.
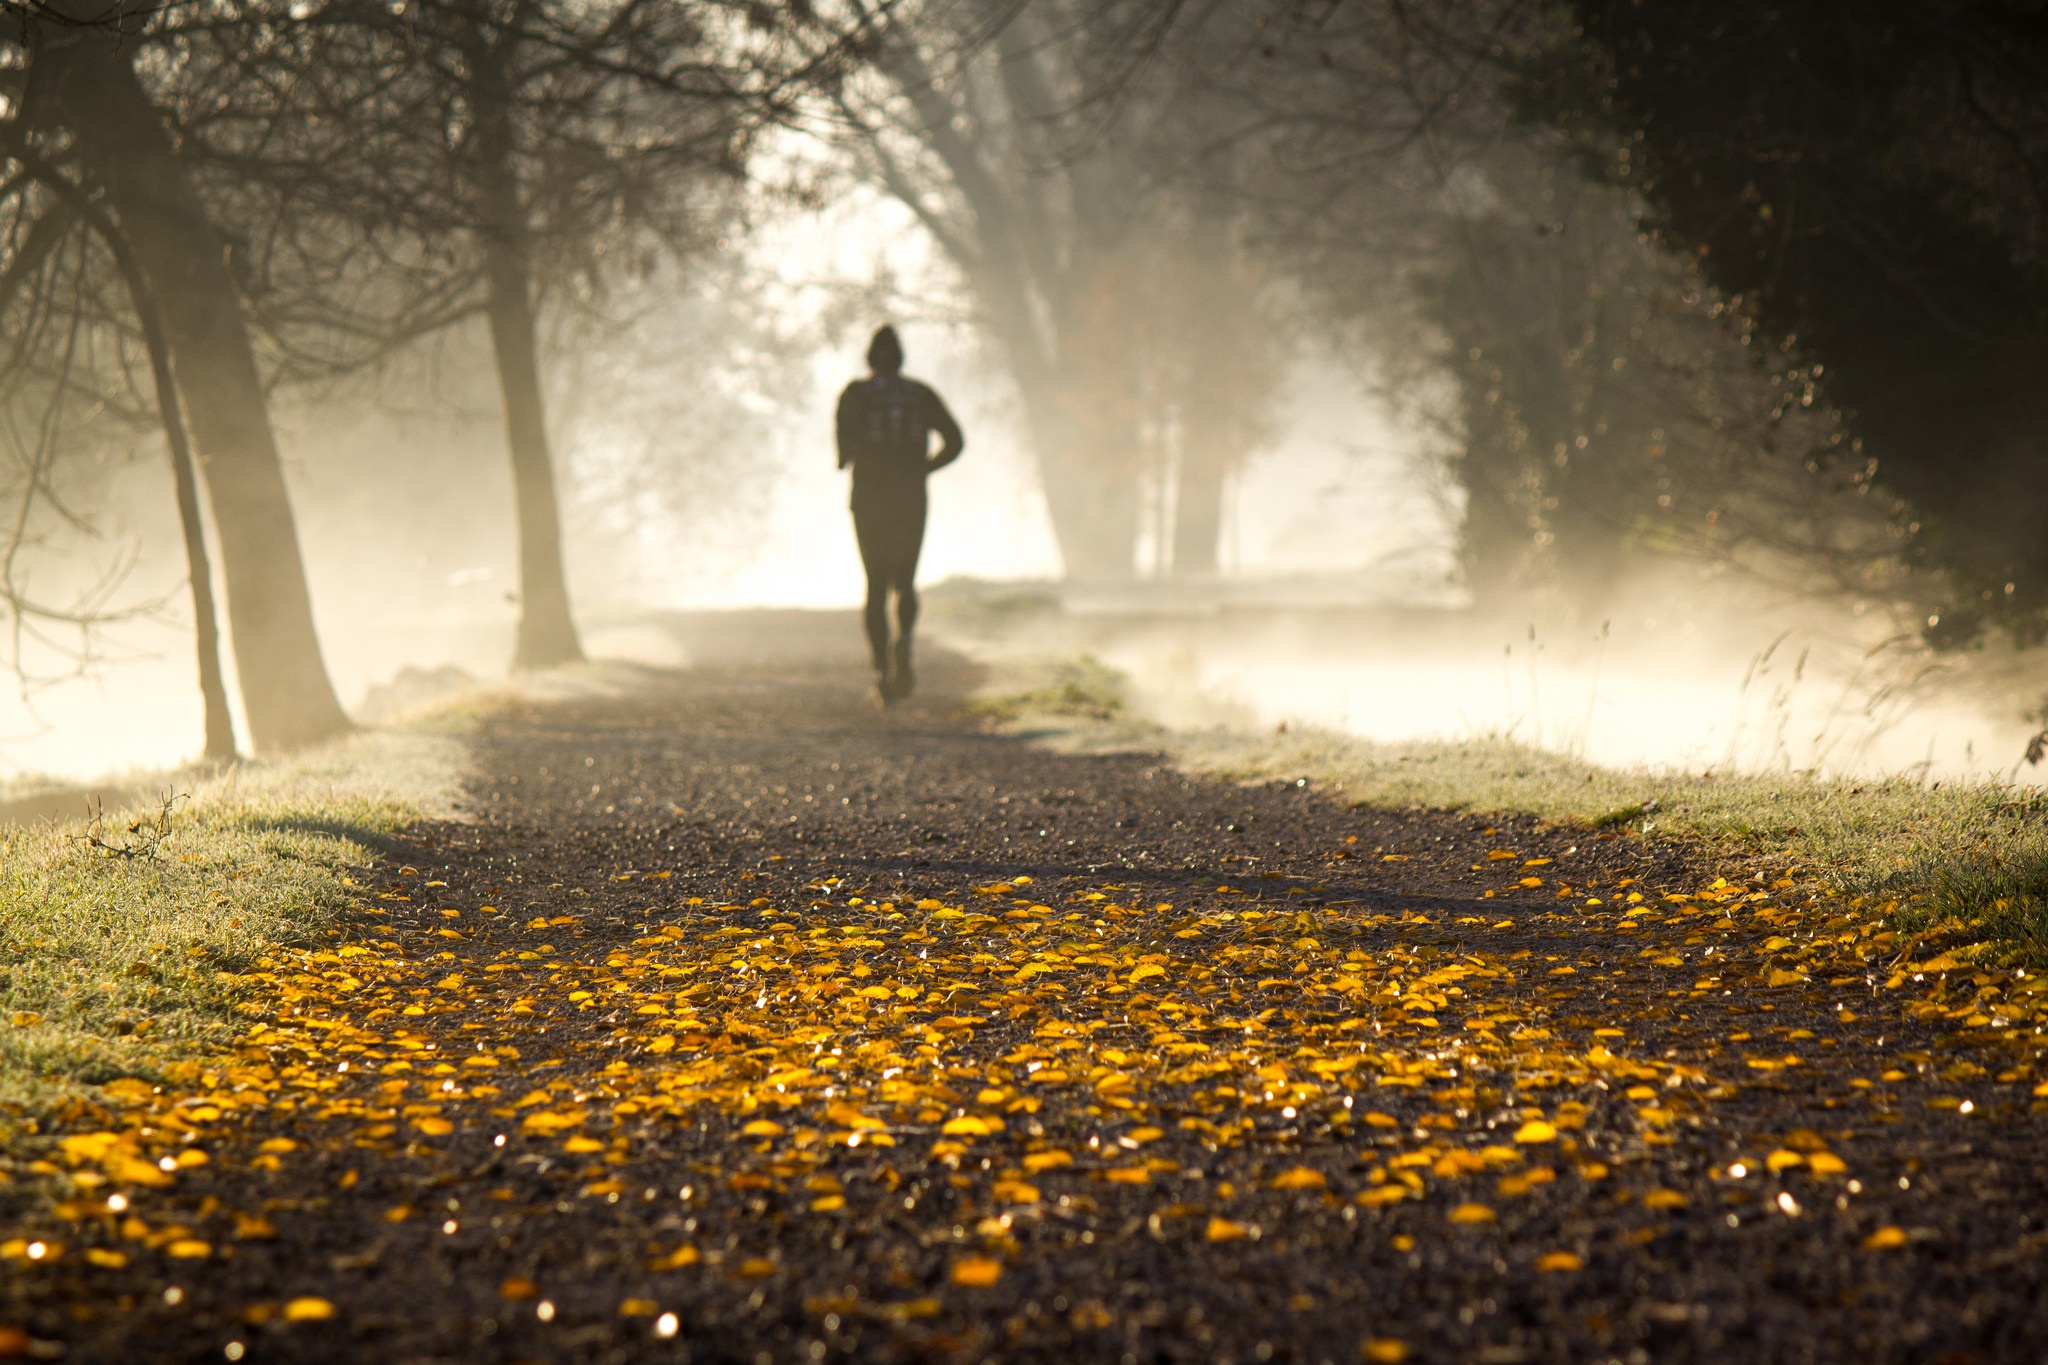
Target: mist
(1292, 414)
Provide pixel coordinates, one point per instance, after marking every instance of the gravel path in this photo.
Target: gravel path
(746, 1022)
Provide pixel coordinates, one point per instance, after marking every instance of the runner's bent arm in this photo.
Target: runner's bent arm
(844, 424)
(951, 442)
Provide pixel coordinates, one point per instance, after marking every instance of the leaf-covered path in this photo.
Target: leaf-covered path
(743, 1022)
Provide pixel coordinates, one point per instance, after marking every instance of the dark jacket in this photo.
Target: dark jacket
(885, 426)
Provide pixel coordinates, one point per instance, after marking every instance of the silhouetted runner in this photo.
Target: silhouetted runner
(885, 428)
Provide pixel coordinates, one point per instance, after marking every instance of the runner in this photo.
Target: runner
(885, 424)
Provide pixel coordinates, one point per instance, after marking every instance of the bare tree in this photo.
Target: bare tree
(81, 91)
(391, 173)
(1076, 247)
(73, 199)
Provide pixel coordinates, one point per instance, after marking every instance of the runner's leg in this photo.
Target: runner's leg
(870, 528)
(908, 548)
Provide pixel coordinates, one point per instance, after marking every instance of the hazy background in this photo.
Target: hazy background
(1510, 451)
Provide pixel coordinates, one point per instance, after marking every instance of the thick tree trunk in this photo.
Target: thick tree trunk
(1198, 507)
(81, 82)
(1091, 502)
(547, 631)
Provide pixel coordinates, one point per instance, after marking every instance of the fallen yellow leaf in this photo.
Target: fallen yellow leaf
(977, 1272)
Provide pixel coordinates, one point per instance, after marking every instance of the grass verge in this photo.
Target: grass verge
(1959, 863)
(117, 962)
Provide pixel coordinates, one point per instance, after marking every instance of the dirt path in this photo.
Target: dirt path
(747, 1023)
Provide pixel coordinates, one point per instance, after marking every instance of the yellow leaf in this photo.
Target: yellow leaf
(278, 1146)
(1665, 1199)
(677, 1259)
(1146, 972)
(188, 1249)
(452, 981)
(518, 1288)
(308, 1308)
(1385, 1350)
(1128, 1175)
(1885, 1238)
(579, 1145)
(1560, 1261)
(1016, 1192)
(828, 1203)
(1535, 1130)
(1826, 1163)
(1300, 1178)
(1784, 978)
(1226, 1230)
(131, 1171)
(434, 1127)
(1472, 1213)
(967, 1125)
(638, 1308)
(977, 1272)
(101, 1256)
(1046, 1161)
(762, 1128)
(89, 1146)
(757, 1268)
(1783, 1160)
(26, 1018)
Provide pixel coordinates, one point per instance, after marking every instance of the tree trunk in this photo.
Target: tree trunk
(1198, 508)
(1090, 499)
(220, 726)
(81, 82)
(547, 631)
